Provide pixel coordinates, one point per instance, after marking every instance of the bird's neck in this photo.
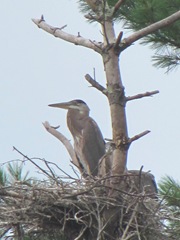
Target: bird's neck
(76, 120)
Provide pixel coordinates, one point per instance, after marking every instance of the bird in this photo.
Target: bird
(89, 145)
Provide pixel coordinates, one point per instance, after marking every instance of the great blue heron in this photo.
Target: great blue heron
(89, 145)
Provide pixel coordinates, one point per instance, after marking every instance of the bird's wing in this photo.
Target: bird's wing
(93, 145)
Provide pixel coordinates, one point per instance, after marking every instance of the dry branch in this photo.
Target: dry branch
(64, 141)
(141, 95)
(118, 40)
(77, 40)
(95, 84)
(136, 137)
(117, 6)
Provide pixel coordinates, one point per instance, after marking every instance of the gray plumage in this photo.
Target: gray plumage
(89, 145)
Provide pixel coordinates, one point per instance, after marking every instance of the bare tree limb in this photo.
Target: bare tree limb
(150, 29)
(64, 141)
(136, 137)
(118, 40)
(95, 84)
(141, 95)
(57, 32)
(117, 6)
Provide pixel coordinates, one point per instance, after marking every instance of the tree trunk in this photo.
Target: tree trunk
(116, 99)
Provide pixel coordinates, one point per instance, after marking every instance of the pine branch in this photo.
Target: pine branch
(57, 32)
(150, 29)
(169, 61)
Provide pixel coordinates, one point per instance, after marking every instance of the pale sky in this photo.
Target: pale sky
(37, 69)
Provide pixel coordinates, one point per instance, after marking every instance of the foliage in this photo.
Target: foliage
(2, 177)
(166, 42)
(137, 14)
(13, 173)
(170, 192)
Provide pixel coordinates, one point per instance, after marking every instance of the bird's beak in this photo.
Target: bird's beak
(64, 105)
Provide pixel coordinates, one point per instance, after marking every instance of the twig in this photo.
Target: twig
(81, 233)
(57, 32)
(94, 73)
(97, 185)
(136, 137)
(137, 228)
(141, 95)
(47, 165)
(47, 162)
(95, 84)
(54, 29)
(130, 221)
(140, 179)
(99, 45)
(64, 141)
(45, 172)
(75, 172)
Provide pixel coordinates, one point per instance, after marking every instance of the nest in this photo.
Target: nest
(80, 209)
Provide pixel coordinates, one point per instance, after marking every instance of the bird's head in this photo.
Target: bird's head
(74, 104)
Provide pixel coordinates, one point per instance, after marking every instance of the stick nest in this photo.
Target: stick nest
(79, 209)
